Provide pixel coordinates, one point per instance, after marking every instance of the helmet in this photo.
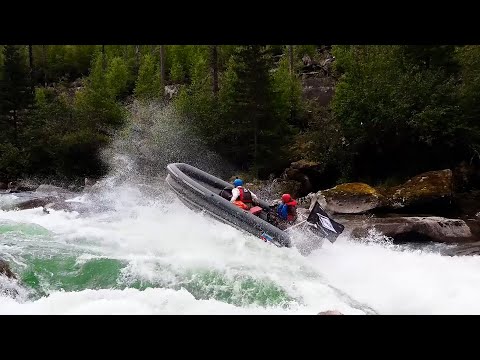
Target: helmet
(286, 198)
(238, 182)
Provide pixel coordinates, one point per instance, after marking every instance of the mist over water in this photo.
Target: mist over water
(141, 251)
(156, 136)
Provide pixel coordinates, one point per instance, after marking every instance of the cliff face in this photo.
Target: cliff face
(318, 78)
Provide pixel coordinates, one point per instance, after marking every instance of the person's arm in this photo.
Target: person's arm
(235, 194)
(254, 197)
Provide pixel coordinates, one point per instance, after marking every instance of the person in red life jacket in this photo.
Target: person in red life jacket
(242, 197)
(287, 209)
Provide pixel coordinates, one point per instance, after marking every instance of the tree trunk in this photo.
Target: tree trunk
(15, 127)
(162, 68)
(214, 50)
(30, 60)
(30, 57)
(104, 63)
(44, 53)
(137, 57)
(290, 51)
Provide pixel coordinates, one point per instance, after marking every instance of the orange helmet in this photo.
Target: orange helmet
(286, 198)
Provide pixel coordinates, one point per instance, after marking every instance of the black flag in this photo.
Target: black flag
(323, 225)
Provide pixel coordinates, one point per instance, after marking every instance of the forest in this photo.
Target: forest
(397, 110)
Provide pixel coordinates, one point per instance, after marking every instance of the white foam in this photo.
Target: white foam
(160, 238)
(7, 199)
(402, 282)
(132, 302)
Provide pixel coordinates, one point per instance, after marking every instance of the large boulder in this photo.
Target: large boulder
(330, 312)
(291, 187)
(30, 204)
(472, 249)
(79, 207)
(467, 204)
(305, 172)
(413, 229)
(5, 270)
(51, 190)
(318, 89)
(21, 185)
(46, 188)
(350, 198)
(9, 287)
(273, 189)
(428, 192)
(466, 177)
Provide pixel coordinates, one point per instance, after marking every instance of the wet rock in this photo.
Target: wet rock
(9, 285)
(330, 312)
(472, 249)
(467, 204)
(31, 203)
(428, 192)
(318, 89)
(21, 185)
(5, 270)
(466, 177)
(413, 229)
(89, 182)
(305, 172)
(350, 198)
(51, 189)
(81, 208)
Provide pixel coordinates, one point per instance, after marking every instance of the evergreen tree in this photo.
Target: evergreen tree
(148, 82)
(117, 77)
(16, 96)
(256, 132)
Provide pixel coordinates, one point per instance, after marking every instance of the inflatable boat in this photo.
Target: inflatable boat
(202, 191)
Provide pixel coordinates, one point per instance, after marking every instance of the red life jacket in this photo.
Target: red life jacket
(291, 210)
(245, 195)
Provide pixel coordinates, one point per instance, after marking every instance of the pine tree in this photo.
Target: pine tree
(214, 59)
(117, 77)
(257, 132)
(16, 95)
(148, 82)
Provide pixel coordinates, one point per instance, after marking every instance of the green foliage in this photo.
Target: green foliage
(177, 61)
(397, 110)
(16, 95)
(12, 161)
(288, 91)
(78, 154)
(301, 50)
(197, 104)
(117, 77)
(2, 58)
(148, 85)
(398, 107)
(52, 63)
(95, 105)
(469, 60)
(248, 99)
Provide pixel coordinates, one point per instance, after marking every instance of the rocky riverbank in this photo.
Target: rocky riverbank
(426, 208)
(436, 206)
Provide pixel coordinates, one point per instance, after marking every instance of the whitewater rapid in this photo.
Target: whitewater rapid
(151, 255)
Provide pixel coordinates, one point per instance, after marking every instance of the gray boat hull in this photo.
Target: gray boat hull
(200, 191)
